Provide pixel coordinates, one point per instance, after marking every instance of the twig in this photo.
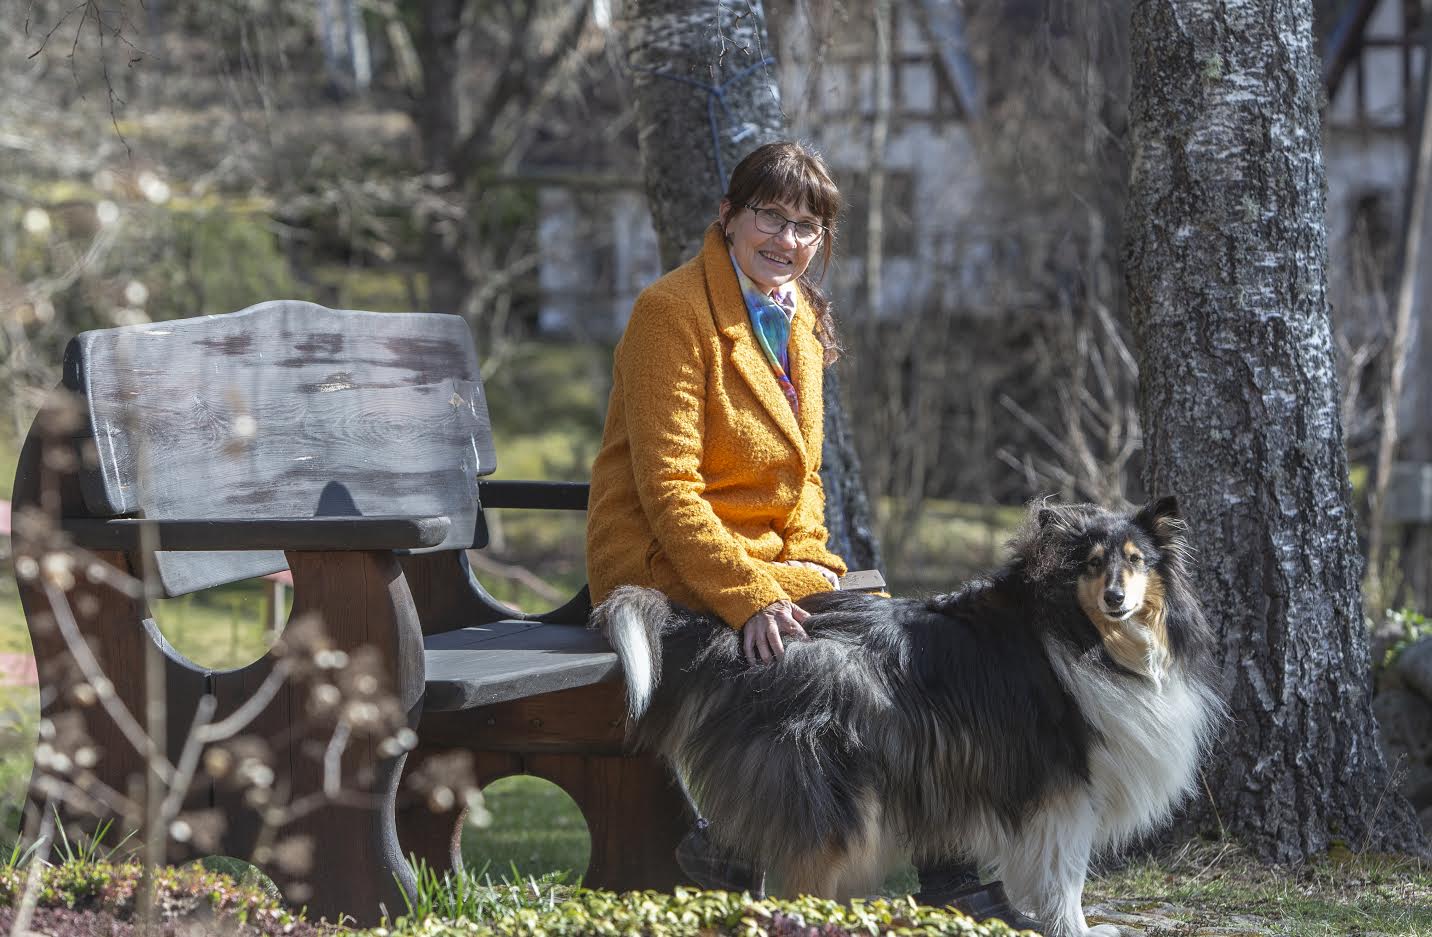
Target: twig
(254, 705)
(103, 687)
(188, 759)
(333, 759)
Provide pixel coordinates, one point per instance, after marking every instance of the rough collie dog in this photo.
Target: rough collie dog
(1057, 707)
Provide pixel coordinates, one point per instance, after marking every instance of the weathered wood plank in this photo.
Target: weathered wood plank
(634, 813)
(488, 664)
(588, 720)
(111, 627)
(285, 409)
(245, 533)
(363, 603)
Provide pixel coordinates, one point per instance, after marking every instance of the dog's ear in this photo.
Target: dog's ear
(1161, 519)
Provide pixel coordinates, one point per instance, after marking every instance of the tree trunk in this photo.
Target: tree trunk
(440, 126)
(679, 52)
(1226, 258)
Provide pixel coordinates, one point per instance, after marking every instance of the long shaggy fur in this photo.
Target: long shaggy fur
(1005, 722)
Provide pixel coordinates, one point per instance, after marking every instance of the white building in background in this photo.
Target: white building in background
(598, 252)
(1373, 68)
(599, 249)
(931, 242)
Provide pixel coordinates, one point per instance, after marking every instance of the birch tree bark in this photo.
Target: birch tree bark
(1225, 257)
(704, 99)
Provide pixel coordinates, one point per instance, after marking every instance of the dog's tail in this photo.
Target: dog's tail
(631, 619)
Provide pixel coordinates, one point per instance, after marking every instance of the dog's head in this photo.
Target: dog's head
(1120, 568)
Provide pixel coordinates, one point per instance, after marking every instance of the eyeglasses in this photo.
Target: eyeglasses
(770, 221)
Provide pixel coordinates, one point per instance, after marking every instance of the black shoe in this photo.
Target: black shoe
(989, 902)
(942, 880)
(713, 869)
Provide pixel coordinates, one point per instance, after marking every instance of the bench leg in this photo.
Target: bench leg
(325, 830)
(96, 768)
(634, 812)
(426, 831)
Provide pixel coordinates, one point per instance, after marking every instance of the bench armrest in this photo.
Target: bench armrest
(246, 533)
(557, 496)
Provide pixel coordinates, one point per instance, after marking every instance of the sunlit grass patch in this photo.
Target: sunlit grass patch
(1215, 886)
(536, 831)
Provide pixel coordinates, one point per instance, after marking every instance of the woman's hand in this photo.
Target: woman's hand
(828, 573)
(761, 634)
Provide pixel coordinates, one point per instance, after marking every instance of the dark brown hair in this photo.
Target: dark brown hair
(791, 172)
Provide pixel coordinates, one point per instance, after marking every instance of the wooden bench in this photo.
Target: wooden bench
(347, 447)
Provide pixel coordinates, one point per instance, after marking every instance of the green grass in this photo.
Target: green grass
(536, 831)
(1206, 886)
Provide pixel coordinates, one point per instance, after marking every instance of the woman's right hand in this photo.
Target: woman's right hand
(761, 634)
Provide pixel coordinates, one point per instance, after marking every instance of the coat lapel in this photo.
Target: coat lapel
(808, 365)
(735, 323)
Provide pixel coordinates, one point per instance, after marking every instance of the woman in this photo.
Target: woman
(707, 485)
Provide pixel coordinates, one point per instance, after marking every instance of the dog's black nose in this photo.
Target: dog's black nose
(1114, 597)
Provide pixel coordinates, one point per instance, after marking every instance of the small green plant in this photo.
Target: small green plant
(86, 849)
(1409, 626)
(113, 890)
(691, 913)
(19, 856)
(458, 895)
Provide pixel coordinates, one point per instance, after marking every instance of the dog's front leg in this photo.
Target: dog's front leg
(1045, 867)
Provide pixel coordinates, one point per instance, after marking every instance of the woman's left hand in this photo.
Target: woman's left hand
(829, 574)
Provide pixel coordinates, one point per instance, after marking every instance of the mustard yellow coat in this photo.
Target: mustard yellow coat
(706, 480)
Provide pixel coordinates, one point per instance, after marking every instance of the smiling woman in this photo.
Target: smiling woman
(707, 485)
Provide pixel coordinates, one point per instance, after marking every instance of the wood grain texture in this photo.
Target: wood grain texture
(449, 596)
(506, 660)
(115, 627)
(574, 738)
(586, 720)
(428, 831)
(253, 533)
(247, 430)
(363, 603)
(284, 409)
(634, 813)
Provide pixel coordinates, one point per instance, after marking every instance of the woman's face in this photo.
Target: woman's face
(770, 260)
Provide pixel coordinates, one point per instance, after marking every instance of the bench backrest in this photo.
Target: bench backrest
(285, 409)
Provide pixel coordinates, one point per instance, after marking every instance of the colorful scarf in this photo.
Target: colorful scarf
(771, 321)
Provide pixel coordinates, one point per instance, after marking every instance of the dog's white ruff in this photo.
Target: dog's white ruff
(1144, 763)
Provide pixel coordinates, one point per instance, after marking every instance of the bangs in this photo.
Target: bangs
(799, 181)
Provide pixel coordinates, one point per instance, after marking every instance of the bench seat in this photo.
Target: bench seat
(506, 660)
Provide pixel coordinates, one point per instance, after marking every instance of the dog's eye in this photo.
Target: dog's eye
(1096, 563)
(1136, 559)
